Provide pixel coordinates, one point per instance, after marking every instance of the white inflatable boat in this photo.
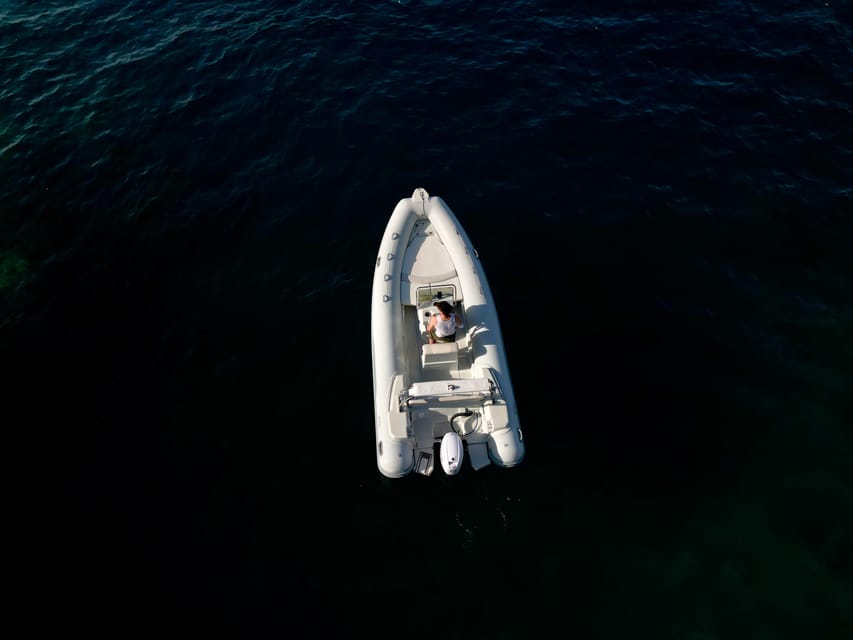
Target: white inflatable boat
(452, 396)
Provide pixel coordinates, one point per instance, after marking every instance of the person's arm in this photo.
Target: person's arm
(431, 323)
(458, 319)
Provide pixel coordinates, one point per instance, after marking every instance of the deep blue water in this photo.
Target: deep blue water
(191, 198)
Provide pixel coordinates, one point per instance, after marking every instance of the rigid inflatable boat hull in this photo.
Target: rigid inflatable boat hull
(419, 389)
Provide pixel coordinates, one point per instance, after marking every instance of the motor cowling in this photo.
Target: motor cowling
(451, 453)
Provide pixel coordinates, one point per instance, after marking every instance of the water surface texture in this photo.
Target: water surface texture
(192, 195)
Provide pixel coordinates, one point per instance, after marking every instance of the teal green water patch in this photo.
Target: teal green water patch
(768, 558)
(12, 268)
(734, 573)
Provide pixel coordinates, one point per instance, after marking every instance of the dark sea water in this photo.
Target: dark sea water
(192, 196)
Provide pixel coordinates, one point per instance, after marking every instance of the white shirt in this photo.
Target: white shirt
(444, 328)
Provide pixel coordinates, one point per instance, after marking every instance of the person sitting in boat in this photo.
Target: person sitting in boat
(442, 325)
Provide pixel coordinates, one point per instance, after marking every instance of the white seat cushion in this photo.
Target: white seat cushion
(440, 348)
(440, 360)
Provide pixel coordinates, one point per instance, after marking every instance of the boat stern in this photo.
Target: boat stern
(506, 447)
(395, 458)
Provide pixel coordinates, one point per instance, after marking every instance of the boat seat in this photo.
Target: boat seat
(440, 360)
(450, 387)
(439, 351)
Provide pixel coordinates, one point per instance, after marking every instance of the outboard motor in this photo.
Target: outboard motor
(451, 453)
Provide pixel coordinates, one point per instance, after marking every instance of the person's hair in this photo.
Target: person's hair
(444, 307)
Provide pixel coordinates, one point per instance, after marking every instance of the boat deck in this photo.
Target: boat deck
(454, 365)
